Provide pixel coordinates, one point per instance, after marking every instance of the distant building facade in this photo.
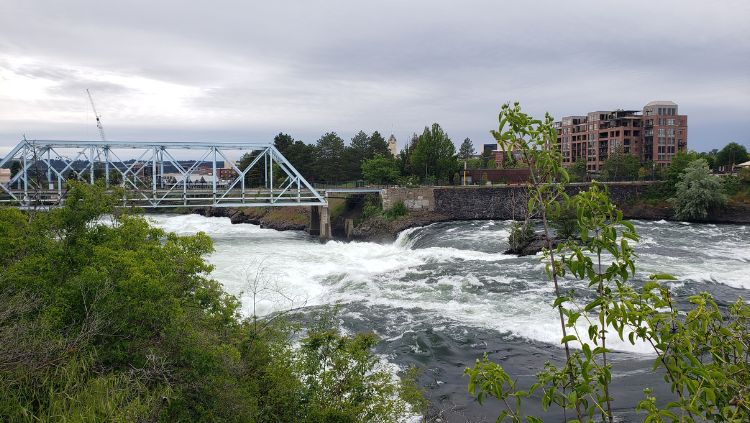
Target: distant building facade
(392, 145)
(654, 134)
(489, 149)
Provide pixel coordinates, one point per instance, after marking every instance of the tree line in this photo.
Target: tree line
(429, 157)
(621, 166)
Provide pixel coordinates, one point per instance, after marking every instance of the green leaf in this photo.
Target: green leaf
(587, 351)
(568, 338)
(663, 277)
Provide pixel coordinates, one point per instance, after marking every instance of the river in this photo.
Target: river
(440, 296)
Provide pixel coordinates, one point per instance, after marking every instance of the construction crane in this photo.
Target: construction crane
(98, 118)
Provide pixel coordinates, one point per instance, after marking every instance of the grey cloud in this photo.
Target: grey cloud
(343, 65)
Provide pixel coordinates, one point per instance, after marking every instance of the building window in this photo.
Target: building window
(670, 122)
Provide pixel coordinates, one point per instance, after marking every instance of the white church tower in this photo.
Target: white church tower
(392, 145)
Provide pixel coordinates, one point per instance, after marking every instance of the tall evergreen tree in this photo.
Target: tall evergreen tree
(329, 156)
(360, 143)
(354, 155)
(466, 150)
(283, 142)
(377, 145)
(404, 156)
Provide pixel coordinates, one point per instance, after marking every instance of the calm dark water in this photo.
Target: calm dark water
(443, 295)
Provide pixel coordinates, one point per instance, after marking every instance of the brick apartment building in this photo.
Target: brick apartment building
(653, 135)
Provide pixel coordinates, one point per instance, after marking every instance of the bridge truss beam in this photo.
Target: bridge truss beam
(151, 174)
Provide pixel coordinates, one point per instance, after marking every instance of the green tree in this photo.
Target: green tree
(474, 163)
(381, 170)
(697, 192)
(329, 155)
(434, 157)
(621, 166)
(488, 160)
(677, 167)
(303, 157)
(283, 142)
(360, 143)
(466, 150)
(405, 157)
(730, 155)
(253, 177)
(578, 171)
(355, 154)
(710, 157)
(15, 167)
(377, 145)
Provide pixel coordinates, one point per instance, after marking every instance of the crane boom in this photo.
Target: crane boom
(98, 118)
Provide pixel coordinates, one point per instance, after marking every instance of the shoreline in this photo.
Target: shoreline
(381, 230)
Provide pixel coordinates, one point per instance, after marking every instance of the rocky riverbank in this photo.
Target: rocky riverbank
(380, 229)
(278, 218)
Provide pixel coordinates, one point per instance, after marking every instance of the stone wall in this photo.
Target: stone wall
(495, 202)
(413, 198)
(468, 203)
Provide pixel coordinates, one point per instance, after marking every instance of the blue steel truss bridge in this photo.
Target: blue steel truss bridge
(156, 174)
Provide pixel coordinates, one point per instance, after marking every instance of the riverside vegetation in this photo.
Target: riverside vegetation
(703, 351)
(106, 318)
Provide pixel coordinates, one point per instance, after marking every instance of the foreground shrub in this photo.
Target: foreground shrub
(105, 318)
(702, 349)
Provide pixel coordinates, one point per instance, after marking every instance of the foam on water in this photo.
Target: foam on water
(446, 273)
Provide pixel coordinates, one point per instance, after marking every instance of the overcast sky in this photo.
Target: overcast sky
(245, 70)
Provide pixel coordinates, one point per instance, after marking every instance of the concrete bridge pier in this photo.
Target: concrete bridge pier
(313, 227)
(320, 222)
(325, 223)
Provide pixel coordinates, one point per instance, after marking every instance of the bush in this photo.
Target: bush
(408, 181)
(732, 184)
(398, 210)
(371, 208)
(121, 322)
(521, 234)
(744, 175)
(697, 192)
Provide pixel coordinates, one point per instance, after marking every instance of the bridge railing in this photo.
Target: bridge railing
(152, 176)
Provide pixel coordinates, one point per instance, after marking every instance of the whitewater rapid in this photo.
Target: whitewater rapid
(447, 274)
